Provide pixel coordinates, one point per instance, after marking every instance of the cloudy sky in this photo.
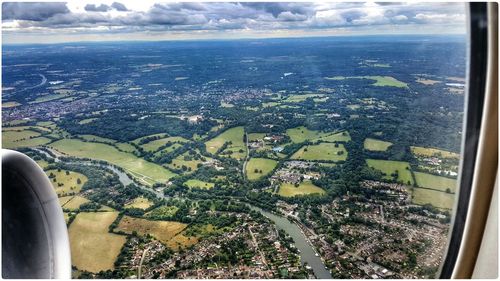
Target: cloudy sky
(48, 22)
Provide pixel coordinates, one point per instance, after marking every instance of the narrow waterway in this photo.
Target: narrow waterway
(307, 252)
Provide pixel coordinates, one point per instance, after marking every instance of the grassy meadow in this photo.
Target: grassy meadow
(68, 181)
(435, 182)
(145, 171)
(321, 152)
(389, 167)
(304, 188)
(93, 248)
(376, 145)
(261, 164)
(233, 135)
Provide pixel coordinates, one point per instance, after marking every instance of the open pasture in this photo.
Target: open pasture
(12, 139)
(145, 171)
(93, 248)
(433, 152)
(438, 199)
(304, 188)
(74, 202)
(154, 145)
(185, 160)
(435, 182)
(379, 81)
(389, 167)
(233, 135)
(69, 182)
(96, 139)
(376, 145)
(321, 152)
(260, 164)
(139, 203)
(303, 97)
(161, 230)
(193, 183)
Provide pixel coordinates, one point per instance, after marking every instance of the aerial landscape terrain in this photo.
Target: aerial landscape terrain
(221, 140)
(321, 157)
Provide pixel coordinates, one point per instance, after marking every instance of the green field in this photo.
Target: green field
(127, 147)
(429, 152)
(302, 134)
(233, 135)
(73, 203)
(261, 164)
(136, 141)
(66, 184)
(300, 98)
(10, 104)
(435, 182)
(389, 167)
(163, 212)
(22, 138)
(181, 161)
(376, 145)
(143, 170)
(438, 199)
(96, 139)
(334, 137)
(161, 230)
(321, 152)
(256, 136)
(93, 248)
(168, 149)
(86, 121)
(304, 188)
(193, 183)
(154, 145)
(378, 80)
(139, 203)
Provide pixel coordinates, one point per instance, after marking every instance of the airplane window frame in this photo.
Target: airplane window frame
(474, 103)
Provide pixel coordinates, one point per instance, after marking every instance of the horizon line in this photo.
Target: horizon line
(235, 39)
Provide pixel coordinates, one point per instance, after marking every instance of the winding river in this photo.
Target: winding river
(307, 253)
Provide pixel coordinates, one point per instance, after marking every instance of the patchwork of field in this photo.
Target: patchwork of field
(154, 145)
(321, 152)
(438, 199)
(388, 167)
(93, 248)
(145, 171)
(302, 134)
(164, 231)
(263, 165)
(193, 183)
(12, 139)
(233, 135)
(376, 145)
(378, 80)
(68, 181)
(435, 182)
(429, 152)
(139, 203)
(304, 188)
